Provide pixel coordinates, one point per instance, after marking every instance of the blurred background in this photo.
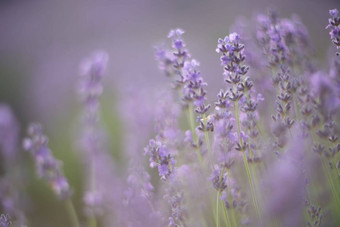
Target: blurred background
(42, 43)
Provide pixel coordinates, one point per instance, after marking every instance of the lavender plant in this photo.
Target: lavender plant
(12, 181)
(256, 156)
(48, 168)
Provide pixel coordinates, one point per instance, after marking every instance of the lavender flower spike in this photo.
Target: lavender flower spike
(161, 158)
(334, 25)
(92, 72)
(9, 131)
(48, 168)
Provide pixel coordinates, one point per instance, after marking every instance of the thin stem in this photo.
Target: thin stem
(296, 108)
(237, 114)
(246, 161)
(217, 210)
(233, 217)
(92, 222)
(193, 133)
(207, 141)
(72, 213)
(252, 189)
(328, 176)
(226, 215)
(330, 181)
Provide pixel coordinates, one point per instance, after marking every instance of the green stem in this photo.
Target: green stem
(252, 189)
(92, 222)
(207, 141)
(246, 161)
(330, 181)
(328, 176)
(226, 216)
(238, 122)
(217, 210)
(72, 213)
(193, 133)
(233, 217)
(296, 109)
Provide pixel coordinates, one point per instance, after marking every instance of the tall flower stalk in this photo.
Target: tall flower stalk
(178, 64)
(49, 169)
(92, 137)
(235, 71)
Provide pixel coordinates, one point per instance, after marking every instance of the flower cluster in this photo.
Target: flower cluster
(48, 168)
(188, 77)
(5, 221)
(161, 158)
(334, 25)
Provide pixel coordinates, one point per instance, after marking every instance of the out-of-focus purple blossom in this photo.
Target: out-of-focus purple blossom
(90, 85)
(9, 131)
(224, 138)
(166, 119)
(11, 183)
(271, 40)
(284, 41)
(48, 168)
(175, 196)
(284, 187)
(334, 25)
(165, 60)
(5, 220)
(138, 199)
(101, 190)
(11, 199)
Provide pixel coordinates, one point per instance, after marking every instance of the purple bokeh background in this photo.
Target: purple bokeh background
(44, 42)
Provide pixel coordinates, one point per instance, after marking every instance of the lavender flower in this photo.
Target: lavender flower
(219, 178)
(160, 157)
(11, 183)
(188, 77)
(172, 61)
(5, 221)
(284, 187)
(99, 197)
(90, 86)
(9, 130)
(334, 25)
(48, 168)
(175, 196)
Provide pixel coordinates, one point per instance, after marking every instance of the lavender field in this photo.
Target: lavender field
(189, 113)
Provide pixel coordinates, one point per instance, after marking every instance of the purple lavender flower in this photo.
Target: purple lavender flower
(11, 183)
(186, 71)
(172, 61)
(334, 25)
(176, 199)
(90, 86)
(160, 157)
(48, 168)
(5, 221)
(219, 178)
(9, 130)
(284, 186)
(194, 87)
(101, 194)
